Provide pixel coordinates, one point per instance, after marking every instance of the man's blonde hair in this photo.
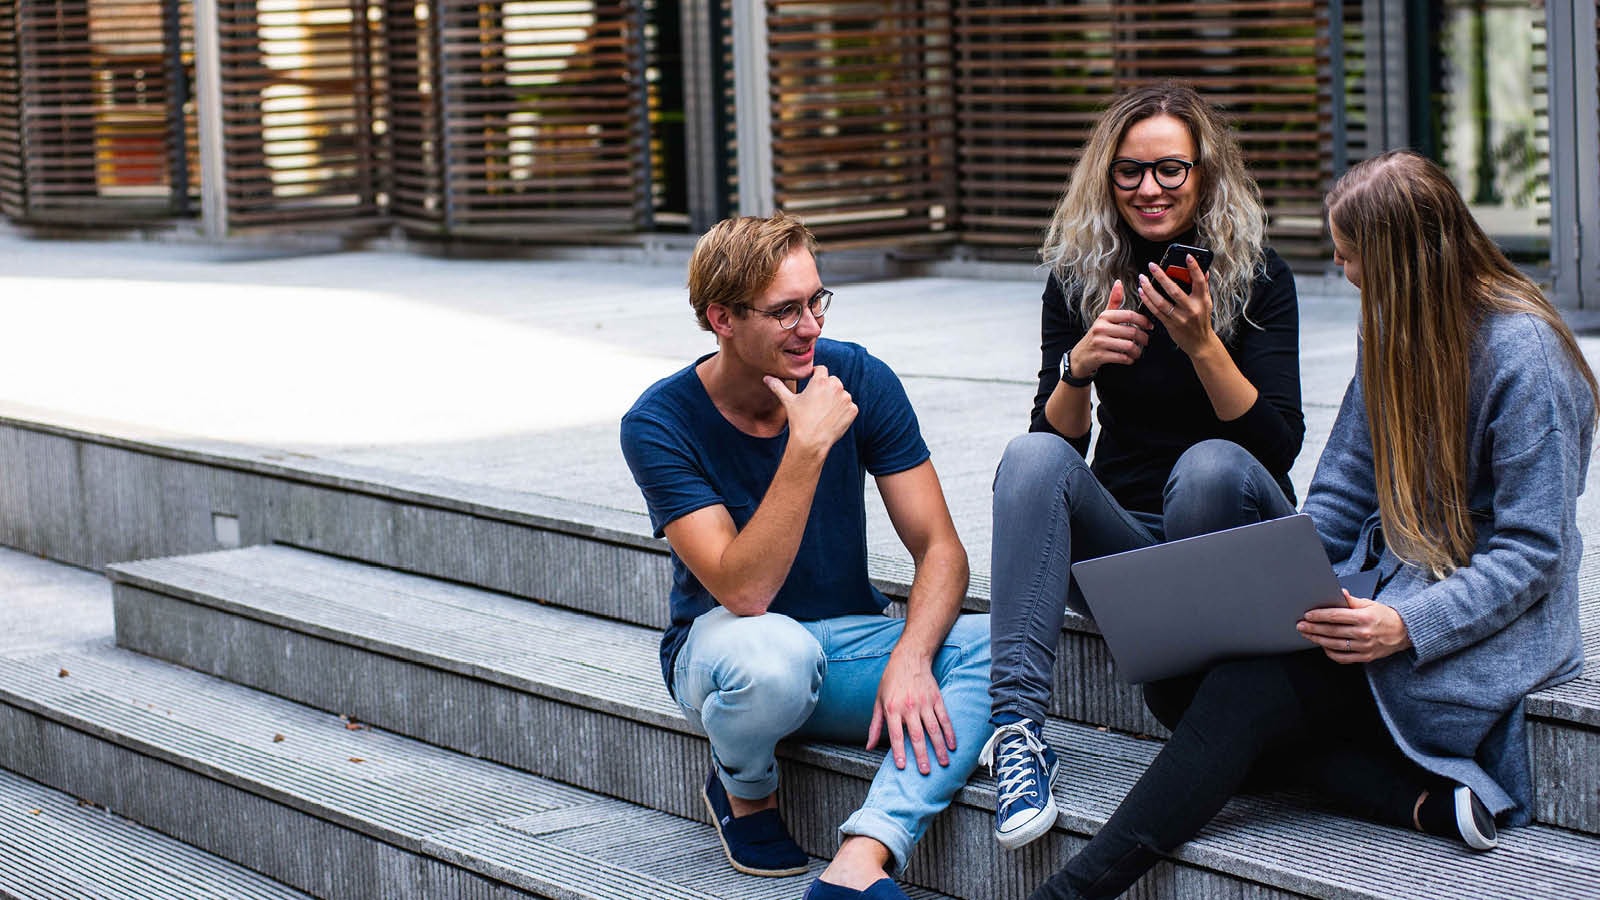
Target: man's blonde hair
(736, 261)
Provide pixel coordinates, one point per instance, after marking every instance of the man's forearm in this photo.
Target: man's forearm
(756, 563)
(937, 590)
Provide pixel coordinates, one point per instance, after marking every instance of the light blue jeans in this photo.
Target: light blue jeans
(747, 682)
(1050, 511)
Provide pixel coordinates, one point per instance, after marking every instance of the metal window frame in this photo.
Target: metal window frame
(752, 108)
(1574, 154)
(208, 109)
(707, 173)
(1388, 113)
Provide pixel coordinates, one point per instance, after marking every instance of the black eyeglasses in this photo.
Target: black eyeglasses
(1171, 172)
(790, 314)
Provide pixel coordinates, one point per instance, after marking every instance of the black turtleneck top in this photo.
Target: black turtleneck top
(1152, 411)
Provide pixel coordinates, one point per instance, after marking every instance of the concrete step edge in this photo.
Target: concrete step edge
(53, 846)
(506, 827)
(215, 578)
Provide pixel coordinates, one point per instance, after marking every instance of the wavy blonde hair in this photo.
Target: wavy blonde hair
(1429, 276)
(1088, 245)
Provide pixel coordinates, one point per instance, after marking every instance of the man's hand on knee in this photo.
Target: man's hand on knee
(910, 705)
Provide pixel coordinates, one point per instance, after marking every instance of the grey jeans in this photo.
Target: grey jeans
(1050, 511)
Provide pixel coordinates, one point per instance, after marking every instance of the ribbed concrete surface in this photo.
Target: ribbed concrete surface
(335, 811)
(548, 651)
(52, 847)
(100, 502)
(388, 618)
(465, 631)
(89, 500)
(132, 505)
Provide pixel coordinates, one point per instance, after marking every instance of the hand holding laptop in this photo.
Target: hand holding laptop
(1366, 631)
(1179, 607)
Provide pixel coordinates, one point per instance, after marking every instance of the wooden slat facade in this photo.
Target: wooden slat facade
(863, 127)
(302, 112)
(417, 176)
(89, 130)
(540, 119)
(726, 127)
(13, 177)
(893, 123)
(1357, 105)
(1033, 77)
(693, 119)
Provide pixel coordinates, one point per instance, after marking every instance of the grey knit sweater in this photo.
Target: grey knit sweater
(1506, 624)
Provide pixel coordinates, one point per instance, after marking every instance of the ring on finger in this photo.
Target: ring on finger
(1347, 645)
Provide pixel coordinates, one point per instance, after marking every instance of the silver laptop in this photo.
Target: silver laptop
(1177, 607)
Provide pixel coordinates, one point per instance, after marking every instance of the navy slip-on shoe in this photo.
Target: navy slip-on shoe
(882, 889)
(757, 844)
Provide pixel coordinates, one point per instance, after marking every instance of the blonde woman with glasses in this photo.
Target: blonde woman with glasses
(1452, 472)
(1198, 388)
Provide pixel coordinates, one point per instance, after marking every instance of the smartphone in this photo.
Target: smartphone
(1173, 263)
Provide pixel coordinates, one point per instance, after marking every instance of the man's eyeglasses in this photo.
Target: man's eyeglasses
(1171, 172)
(790, 314)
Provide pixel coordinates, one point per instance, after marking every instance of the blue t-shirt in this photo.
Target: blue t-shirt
(686, 456)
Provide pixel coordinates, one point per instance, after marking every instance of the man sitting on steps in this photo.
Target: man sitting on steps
(752, 461)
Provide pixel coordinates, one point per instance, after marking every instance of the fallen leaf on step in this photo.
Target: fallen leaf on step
(356, 759)
(277, 739)
(63, 673)
(35, 812)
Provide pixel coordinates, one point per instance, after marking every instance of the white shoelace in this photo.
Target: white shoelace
(1017, 779)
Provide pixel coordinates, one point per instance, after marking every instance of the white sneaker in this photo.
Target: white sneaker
(1474, 820)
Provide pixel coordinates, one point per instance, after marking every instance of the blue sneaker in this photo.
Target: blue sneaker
(757, 844)
(1024, 768)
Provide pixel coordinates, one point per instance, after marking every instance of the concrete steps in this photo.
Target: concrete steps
(335, 807)
(1564, 722)
(482, 672)
(92, 499)
(54, 847)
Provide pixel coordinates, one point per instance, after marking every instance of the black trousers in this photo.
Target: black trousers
(1296, 720)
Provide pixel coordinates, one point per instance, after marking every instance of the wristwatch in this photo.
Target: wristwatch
(1066, 372)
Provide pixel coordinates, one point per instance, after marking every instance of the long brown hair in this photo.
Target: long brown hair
(1088, 243)
(1429, 276)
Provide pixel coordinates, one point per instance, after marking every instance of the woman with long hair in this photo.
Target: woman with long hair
(1453, 471)
(1198, 387)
